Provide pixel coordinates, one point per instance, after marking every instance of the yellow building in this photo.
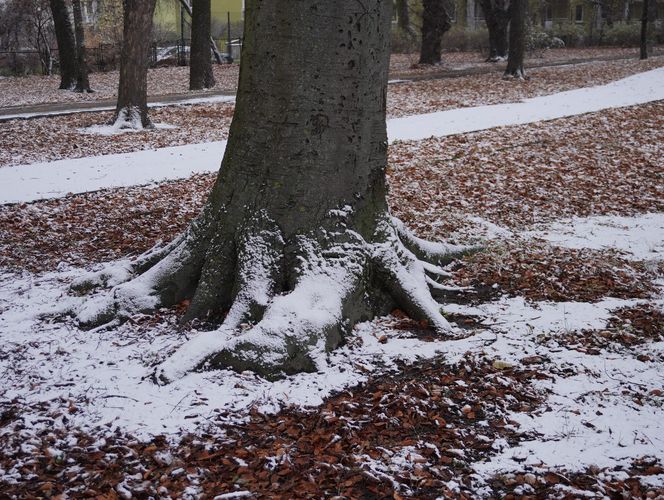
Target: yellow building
(168, 20)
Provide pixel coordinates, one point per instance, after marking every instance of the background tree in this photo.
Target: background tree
(213, 45)
(497, 17)
(644, 31)
(82, 78)
(201, 75)
(66, 44)
(436, 21)
(295, 244)
(403, 19)
(517, 48)
(132, 107)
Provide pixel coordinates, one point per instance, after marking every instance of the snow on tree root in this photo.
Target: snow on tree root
(288, 304)
(130, 118)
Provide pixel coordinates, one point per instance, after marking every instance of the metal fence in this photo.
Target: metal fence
(106, 57)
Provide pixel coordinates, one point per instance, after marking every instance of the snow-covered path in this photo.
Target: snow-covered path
(27, 183)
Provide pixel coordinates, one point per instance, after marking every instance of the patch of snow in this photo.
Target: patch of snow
(636, 89)
(26, 183)
(639, 237)
(59, 178)
(108, 130)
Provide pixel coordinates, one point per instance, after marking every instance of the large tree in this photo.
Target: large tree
(436, 21)
(132, 106)
(201, 75)
(82, 78)
(295, 243)
(64, 34)
(497, 17)
(517, 49)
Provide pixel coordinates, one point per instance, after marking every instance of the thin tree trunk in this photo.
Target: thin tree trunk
(132, 107)
(435, 23)
(295, 244)
(213, 44)
(82, 79)
(644, 31)
(517, 48)
(403, 18)
(497, 18)
(201, 75)
(64, 34)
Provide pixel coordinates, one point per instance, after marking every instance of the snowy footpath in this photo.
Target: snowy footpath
(26, 183)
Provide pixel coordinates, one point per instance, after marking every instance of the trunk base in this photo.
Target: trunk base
(283, 303)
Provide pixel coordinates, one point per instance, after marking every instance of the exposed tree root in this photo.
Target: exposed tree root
(280, 304)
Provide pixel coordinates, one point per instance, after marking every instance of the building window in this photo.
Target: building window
(548, 13)
(578, 14)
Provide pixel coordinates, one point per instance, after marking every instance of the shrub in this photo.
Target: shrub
(621, 35)
(466, 40)
(571, 34)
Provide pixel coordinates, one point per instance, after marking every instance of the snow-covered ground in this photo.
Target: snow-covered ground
(589, 417)
(27, 183)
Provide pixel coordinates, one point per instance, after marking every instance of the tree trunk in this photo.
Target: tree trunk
(403, 18)
(435, 23)
(295, 244)
(82, 79)
(132, 107)
(517, 40)
(201, 75)
(213, 44)
(644, 31)
(497, 17)
(64, 34)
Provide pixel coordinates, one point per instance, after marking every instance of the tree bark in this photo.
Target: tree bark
(132, 107)
(201, 75)
(644, 31)
(517, 40)
(213, 44)
(82, 78)
(435, 23)
(64, 34)
(295, 244)
(497, 17)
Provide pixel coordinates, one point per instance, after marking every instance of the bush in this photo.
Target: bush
(538, 40)
(571, 34)
(466, 40)
(402, 43)
(621, 35)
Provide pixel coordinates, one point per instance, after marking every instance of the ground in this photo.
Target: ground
(555, 389)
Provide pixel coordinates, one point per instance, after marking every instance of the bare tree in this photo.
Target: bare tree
(497, 17)
(517, 48)
(132, 107)
(201, 75)
(66, 44)
(295, 244)
(436, 21)
(213, 45)
(644, 31)
(82, 78)
(403, 18)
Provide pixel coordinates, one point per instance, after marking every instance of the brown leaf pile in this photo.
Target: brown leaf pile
(37, 89)
(436, 95)
(443, 418)
(55, 138)
(97, 227)
(606, 163)
(542, 272)
(48, 139)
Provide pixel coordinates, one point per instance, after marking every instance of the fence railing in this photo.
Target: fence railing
(106, 57)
